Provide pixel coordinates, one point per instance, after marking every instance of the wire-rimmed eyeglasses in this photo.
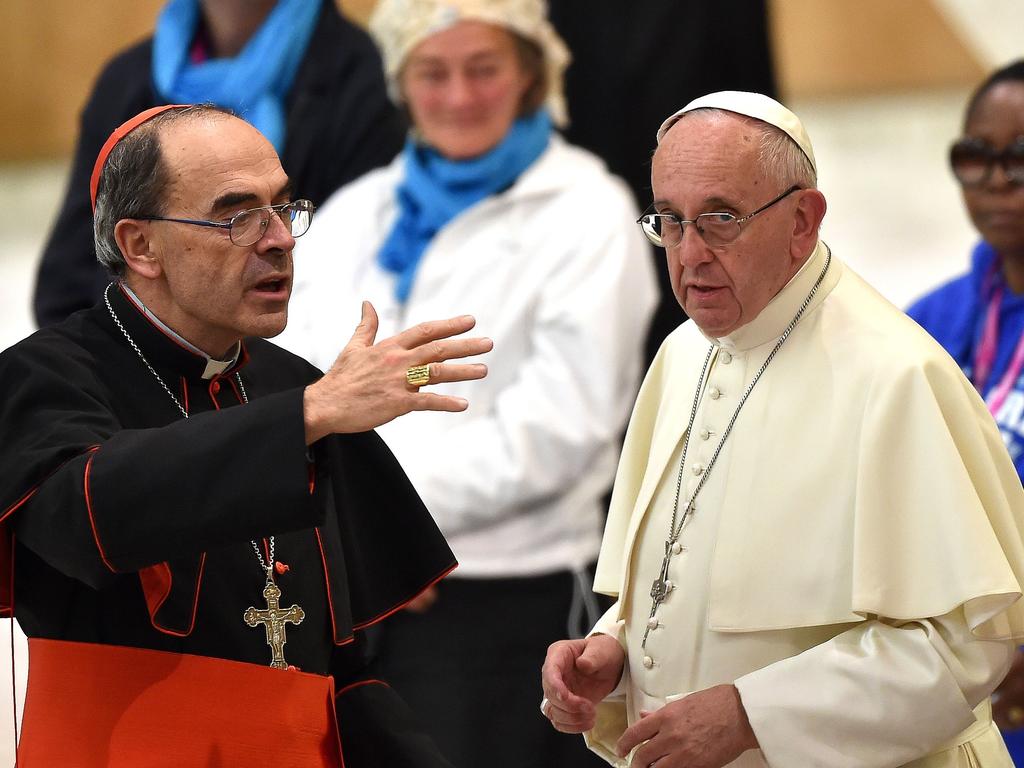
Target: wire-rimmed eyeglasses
(973, 160)
(715, 228)
(246, 228)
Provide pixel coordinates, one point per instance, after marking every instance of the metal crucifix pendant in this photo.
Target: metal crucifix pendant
(274, 618)
(660, 588)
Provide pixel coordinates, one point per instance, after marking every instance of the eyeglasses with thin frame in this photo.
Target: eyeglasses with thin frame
(248, 227)
(715, 228)
(973, 161)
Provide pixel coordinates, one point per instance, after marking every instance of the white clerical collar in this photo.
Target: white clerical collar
(773, 319)
(213, 367)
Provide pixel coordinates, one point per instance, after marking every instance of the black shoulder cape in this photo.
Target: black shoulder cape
(124, 522)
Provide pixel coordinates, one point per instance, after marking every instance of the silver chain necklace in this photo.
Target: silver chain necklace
(274, 618)
(661, 585)
(267, 568)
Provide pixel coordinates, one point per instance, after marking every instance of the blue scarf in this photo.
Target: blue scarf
(254, 83)
(436, 190)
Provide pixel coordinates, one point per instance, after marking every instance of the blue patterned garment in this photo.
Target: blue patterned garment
(954, 314)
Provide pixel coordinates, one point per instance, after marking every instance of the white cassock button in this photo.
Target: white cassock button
(714, 393)
(725, 357)
(648, 662)
(677, 548)
(652, 623)
(698, 469)
(704, 434)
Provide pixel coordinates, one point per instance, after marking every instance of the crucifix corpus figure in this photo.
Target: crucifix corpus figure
(274, 619)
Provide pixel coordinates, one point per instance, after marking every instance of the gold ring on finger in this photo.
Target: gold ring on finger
(418, 375)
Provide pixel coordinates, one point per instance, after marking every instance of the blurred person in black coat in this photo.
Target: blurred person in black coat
(338, 124)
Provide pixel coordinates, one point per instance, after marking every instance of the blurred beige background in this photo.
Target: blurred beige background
(56, 47)
(879, 84)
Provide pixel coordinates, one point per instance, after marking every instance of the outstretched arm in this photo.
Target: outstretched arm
(367, 386)
(95, 499)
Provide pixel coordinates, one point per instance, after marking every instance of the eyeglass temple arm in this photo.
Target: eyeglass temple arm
(197, 222)
(769, 204)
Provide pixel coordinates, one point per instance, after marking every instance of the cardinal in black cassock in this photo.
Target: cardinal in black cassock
(130, 525)
(166, 536)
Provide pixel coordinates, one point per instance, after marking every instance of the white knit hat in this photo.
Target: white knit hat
(755, 105)
(398, 26)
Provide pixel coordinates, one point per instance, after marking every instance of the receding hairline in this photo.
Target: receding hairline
(177, 172)
(157, 127)
(776, 155)
(714, 116)
(161, 128)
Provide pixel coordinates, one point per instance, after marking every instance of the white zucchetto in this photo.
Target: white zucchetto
(755, 105)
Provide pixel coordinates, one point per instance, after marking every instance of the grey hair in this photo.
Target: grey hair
(780, 157)
(783, 160)
(133, 181)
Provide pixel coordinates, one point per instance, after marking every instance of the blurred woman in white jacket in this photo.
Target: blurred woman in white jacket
(489, 212)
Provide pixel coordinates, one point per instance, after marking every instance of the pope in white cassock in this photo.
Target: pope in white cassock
(815, 539)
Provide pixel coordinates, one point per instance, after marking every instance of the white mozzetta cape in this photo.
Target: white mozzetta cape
(864, 487)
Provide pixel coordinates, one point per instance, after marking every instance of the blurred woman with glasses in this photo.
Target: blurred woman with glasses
(488, 211)
(979, 317)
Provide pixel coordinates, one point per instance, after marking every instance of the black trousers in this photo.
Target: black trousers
(470, 668)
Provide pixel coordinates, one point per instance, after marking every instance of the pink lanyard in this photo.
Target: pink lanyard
(985, 357)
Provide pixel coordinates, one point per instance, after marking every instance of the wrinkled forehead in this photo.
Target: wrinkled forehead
(710, 150)
(191, 145)
(210, 156)
(714, 127)
(765, 110)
